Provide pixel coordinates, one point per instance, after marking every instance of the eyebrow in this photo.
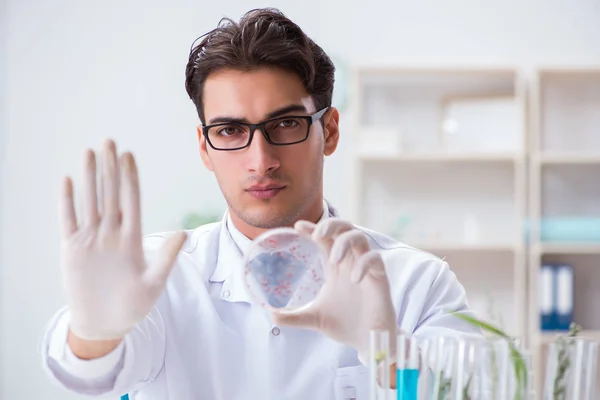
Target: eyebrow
(273, 114)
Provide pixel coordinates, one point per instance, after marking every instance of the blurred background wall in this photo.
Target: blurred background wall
(73, 73)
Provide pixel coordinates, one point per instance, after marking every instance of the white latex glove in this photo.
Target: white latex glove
(108, 284)
(356, 295)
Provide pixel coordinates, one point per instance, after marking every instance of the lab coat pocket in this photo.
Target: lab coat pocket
(351, 383)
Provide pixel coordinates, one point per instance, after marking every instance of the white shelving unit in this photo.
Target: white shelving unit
(428, 174)
(565, 187)
(459, 163)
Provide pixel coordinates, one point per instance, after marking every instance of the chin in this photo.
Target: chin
(268, 215)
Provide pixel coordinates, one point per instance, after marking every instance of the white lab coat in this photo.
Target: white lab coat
(205, 340)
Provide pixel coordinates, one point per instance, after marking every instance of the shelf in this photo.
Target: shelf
(478, 80)
(441, 164)
(493, 300)
(548, 337)
(568, 113)
(570, 191)
(466, 247)
(567, 158)
(442, 157)
(425, 109)
(481, 202)
(568, 248)
(383, 69)
(577, 70)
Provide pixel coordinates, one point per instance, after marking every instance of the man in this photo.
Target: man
(167, 316)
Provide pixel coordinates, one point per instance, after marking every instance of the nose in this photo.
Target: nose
(262, 156)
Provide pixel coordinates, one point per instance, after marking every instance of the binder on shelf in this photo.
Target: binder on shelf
(547, 298)
(565, 298)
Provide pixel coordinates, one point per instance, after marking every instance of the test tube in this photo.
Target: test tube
(442, 352)
(407, 367)
(379, 364)
(438, 356)
(461, 365)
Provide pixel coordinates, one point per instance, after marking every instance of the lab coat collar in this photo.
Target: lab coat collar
(230, 261)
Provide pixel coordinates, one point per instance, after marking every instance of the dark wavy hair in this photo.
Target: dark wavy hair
(262, 38)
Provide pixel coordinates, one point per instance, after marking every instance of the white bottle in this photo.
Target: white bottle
(471, 229)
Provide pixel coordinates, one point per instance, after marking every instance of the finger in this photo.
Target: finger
(369, 262)
(68, 219)
(326, 231)
(110, 182)
(308, 319)
(305, 227)
(156, 276)
(90, 193)
(131, 216)
(352, 241)
(331, 227)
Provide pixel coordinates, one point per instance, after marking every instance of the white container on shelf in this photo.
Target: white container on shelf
(471, 229)
(481, 123)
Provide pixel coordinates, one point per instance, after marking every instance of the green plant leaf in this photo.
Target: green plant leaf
(481, 324)
(466, 388)
(445, 386)
(564, 363)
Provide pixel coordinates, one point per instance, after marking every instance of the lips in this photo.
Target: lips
(263, 192)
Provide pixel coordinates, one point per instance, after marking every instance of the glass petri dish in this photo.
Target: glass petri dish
(284, 270)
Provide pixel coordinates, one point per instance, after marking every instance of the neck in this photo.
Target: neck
(312, 214)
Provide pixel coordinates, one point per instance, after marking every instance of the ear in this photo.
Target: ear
(203, 150)
(331, 131)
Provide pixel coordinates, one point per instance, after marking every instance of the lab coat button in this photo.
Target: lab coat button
(226, 294)
(349, 393)
(275, 331)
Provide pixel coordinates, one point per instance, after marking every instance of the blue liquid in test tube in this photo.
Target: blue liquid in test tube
(407, 383)
(407, 372)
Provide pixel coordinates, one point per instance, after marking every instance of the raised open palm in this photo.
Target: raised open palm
(109, 286)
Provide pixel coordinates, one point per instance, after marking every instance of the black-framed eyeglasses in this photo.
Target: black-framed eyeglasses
(280, 131)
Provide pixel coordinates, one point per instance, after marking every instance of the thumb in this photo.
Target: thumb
(159, 271)
(308, 319)
(305, 227)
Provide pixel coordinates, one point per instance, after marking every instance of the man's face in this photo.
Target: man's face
(267, 186)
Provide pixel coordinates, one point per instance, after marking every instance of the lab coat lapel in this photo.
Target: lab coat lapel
(229, 266)
(330, 211)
